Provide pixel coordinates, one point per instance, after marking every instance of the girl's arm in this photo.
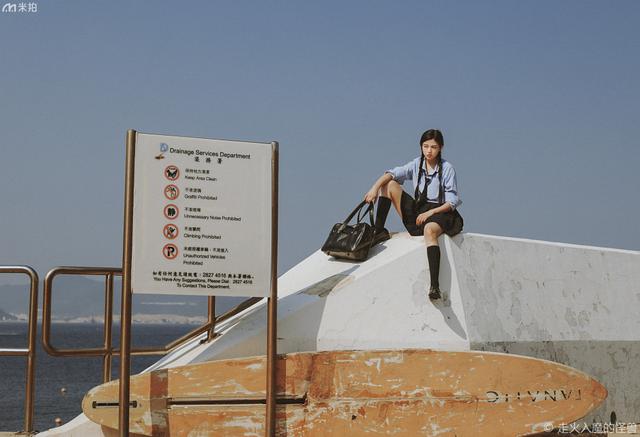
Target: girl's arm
(372, 194)
(451, 187)
(450, 195)
(398, 174)
(445, 207)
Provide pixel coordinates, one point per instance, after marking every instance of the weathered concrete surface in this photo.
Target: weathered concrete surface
(524, 290)
(576, 305)
(573, 304)
(327, 304)
(611, 363)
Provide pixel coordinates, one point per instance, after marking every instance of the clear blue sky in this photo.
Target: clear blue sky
(538, 100)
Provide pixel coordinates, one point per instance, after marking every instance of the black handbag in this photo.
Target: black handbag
(352, 241)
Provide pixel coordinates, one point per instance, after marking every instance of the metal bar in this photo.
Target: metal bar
(125, 312)
(206, 327)
(102, 352)
(211, 318)
(99, 352)
(46, 306)
(31, 360)
(272, 302)
(188, 336)
(30, 352)
(142, 352)
(46, 313)
(248, 401)
(86, 271)
(93, 352)
(14, 352)
(108, 323)
(88, 352)
(238, 309)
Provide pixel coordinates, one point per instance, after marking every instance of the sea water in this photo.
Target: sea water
(61, 382)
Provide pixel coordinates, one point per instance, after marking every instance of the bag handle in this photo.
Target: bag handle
(357, 211)
(368, 210)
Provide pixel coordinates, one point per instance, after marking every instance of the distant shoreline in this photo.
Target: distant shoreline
(141, 319)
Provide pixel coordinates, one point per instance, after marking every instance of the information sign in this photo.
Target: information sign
(202, 212)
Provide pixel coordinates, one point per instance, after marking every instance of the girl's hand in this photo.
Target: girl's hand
(371, 195)
(423, 217)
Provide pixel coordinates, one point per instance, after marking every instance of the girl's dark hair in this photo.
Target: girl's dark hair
(431, 134)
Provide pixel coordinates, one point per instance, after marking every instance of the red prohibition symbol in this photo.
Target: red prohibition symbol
(170, 231)
(171, 192)
(171, 211)
(170, 251)
(171, 172)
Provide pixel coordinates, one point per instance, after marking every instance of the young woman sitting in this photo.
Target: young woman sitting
(432, 210)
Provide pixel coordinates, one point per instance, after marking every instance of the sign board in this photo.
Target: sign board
(202, 212)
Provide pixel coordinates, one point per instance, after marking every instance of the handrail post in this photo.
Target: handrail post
(30, 353)
(31, 360)
(46, 308)
(108, 323)
(211, 318)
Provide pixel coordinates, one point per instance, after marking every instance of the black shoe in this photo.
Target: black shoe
(434, 293)
(381, 236)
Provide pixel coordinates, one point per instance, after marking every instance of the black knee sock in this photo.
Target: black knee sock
(433, 256)
(384, 204)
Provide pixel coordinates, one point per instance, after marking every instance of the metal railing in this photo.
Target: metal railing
(107, 351)
(30, 351)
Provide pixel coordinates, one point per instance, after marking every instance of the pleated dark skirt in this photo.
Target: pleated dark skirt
(451, 222)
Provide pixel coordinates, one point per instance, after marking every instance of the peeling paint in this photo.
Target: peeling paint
(394, 392)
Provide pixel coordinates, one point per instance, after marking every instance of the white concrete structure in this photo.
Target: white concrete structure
(572, 304)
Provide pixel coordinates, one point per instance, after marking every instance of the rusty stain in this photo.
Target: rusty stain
(409, 392)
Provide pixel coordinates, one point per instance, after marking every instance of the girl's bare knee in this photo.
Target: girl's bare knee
(394, 189)
(432, 231)
(390, 190)
(392, 185)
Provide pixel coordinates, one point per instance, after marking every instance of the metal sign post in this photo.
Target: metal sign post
(185, 210)
(272, 310)
(125, 311)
